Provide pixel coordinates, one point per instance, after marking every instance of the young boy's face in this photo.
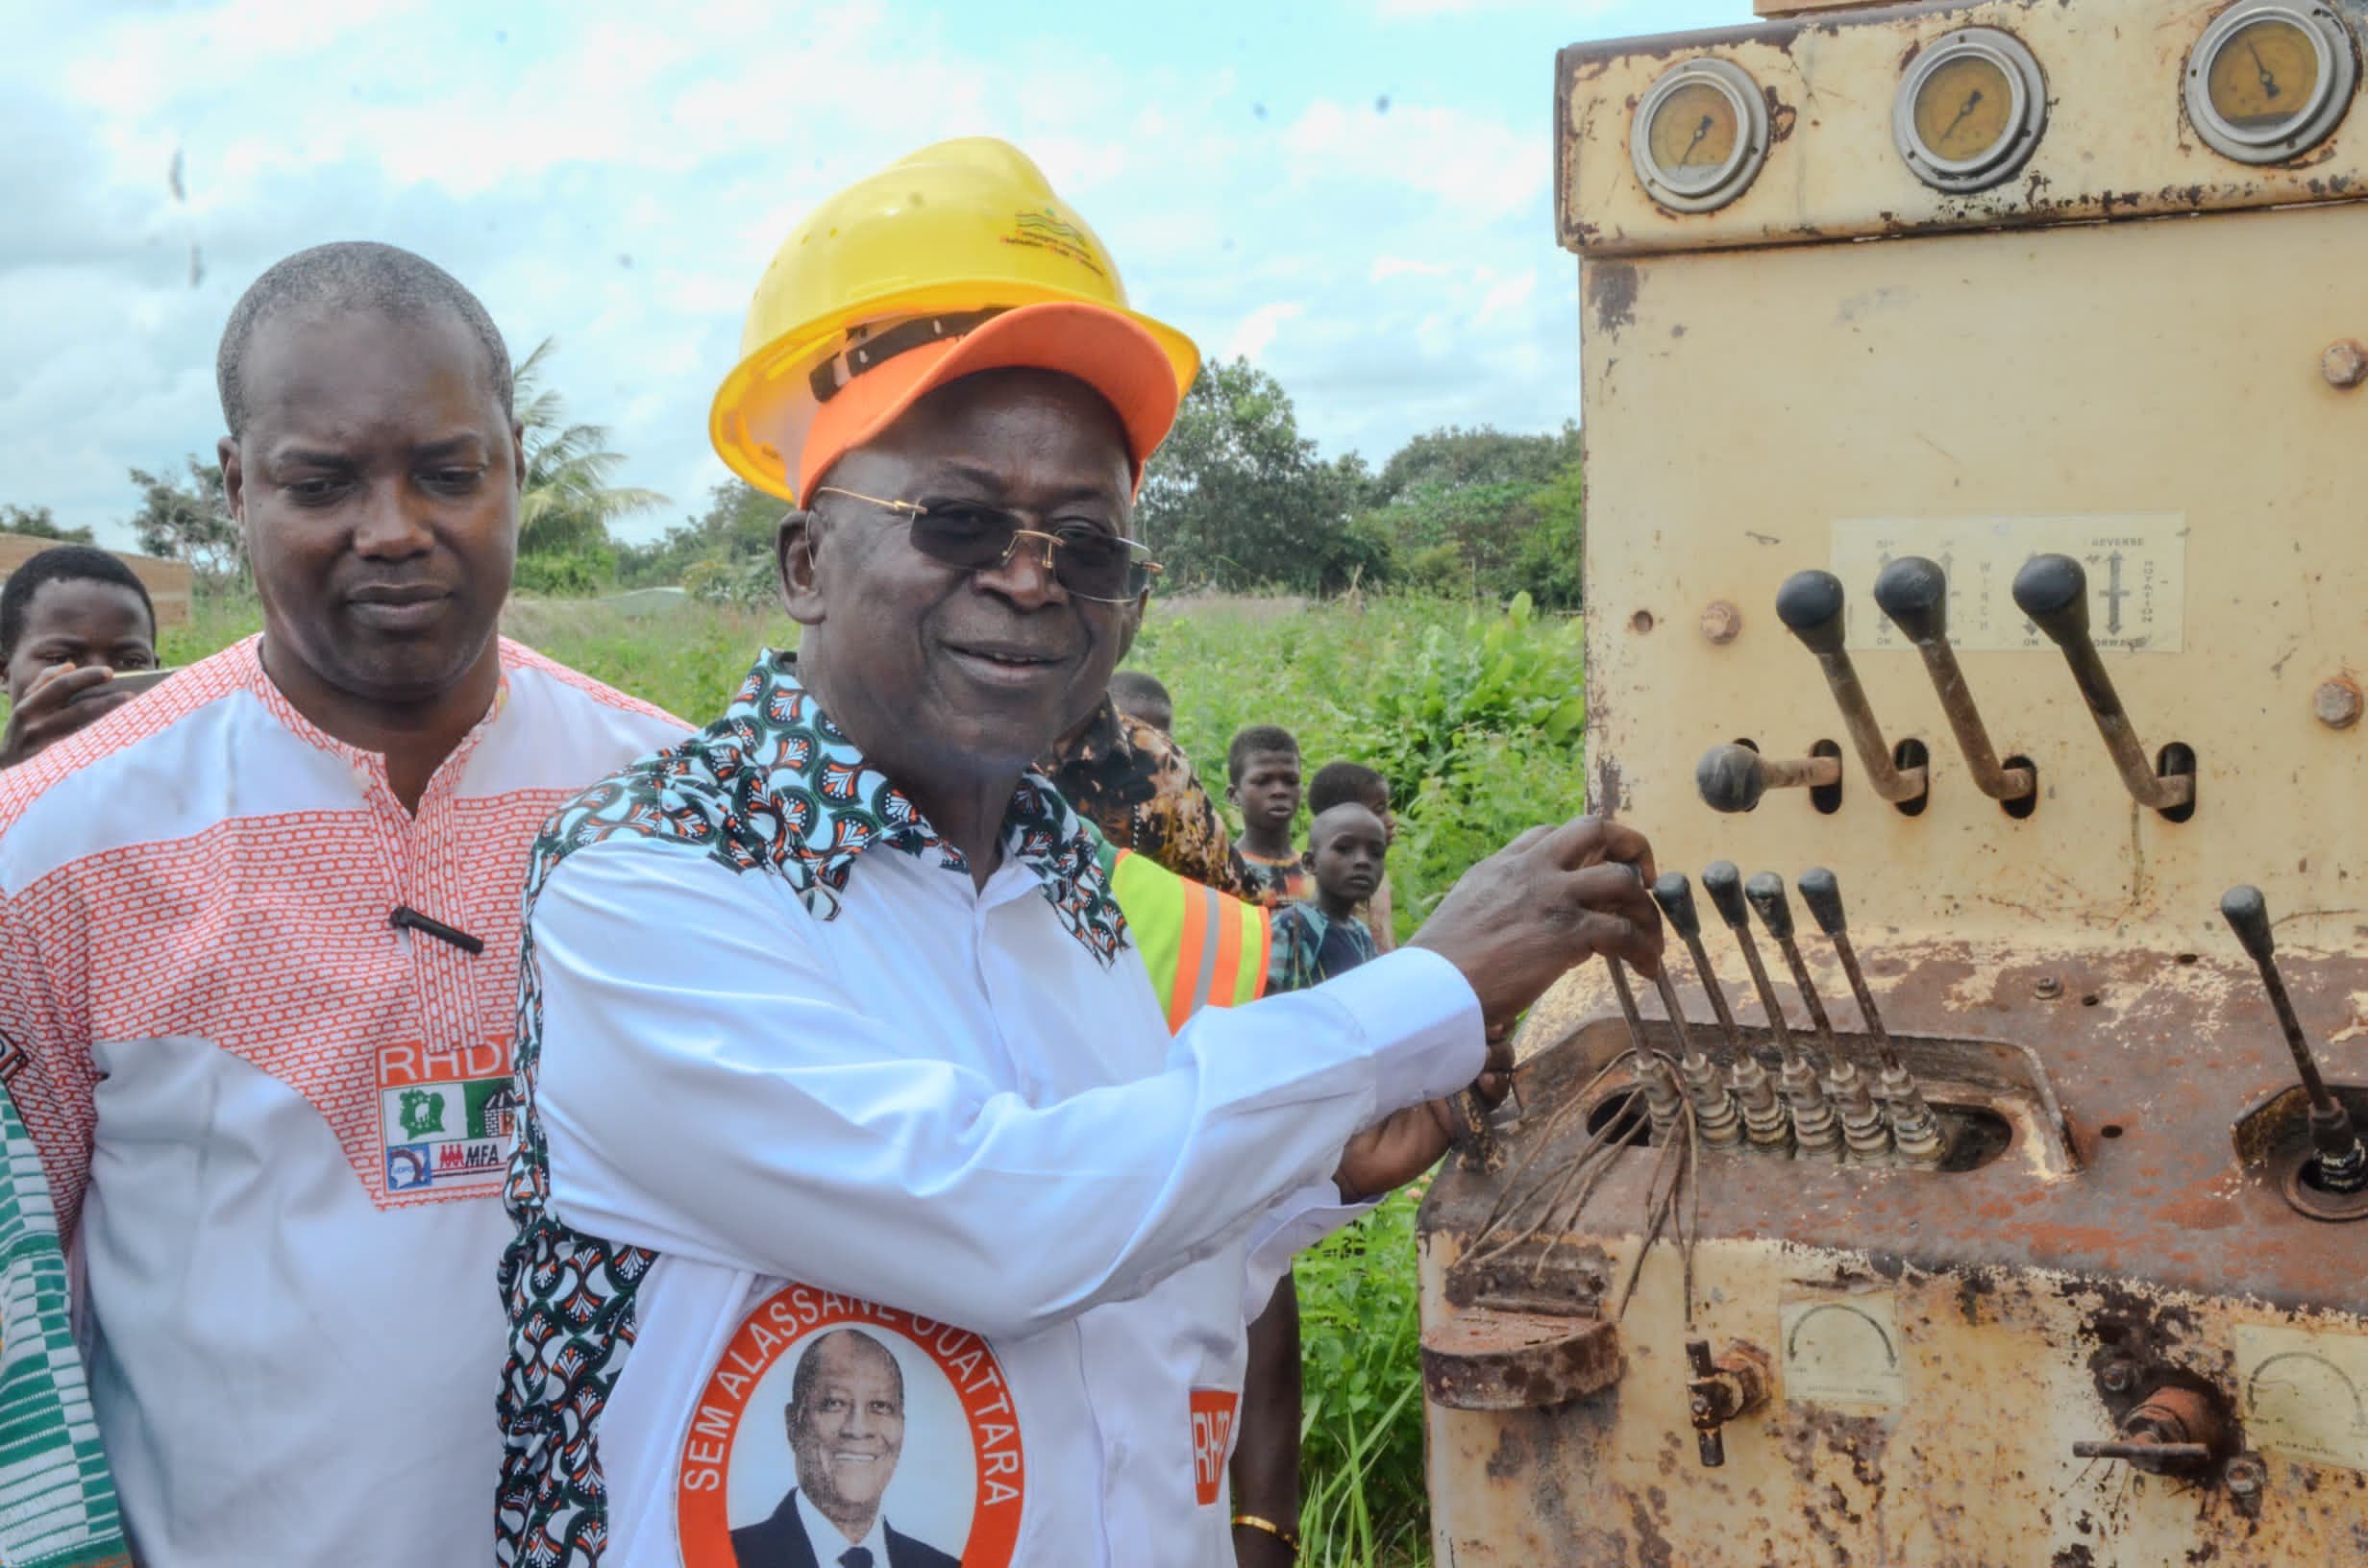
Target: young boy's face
(79, 621)
(1268, 792)
(1348, 845)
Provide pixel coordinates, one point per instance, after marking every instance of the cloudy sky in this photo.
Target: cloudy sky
(1353, 193)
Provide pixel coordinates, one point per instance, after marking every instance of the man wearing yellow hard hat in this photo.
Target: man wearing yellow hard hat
(828, 1019)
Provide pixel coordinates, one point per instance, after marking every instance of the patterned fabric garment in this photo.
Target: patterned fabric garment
(1274, 883)
(57, 1505)
(275, 1124)
(775, 787)
(1310, 948)
(792, 1078)
(1137, 784)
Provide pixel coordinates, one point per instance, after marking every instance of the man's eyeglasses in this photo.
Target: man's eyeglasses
(1090, 563)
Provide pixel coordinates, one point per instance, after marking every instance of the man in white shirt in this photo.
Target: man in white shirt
(828, 1019)
(257, 953)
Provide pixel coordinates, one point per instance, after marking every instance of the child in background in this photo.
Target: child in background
(1139, 696)
(1343, 783)
(1316, 940)
(1262, 767)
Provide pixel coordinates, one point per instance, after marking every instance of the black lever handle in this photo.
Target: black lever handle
(1675, 896)
(1725, 884)
(1767, 893)
(1732, 778)
(1821, 892)
(1810, 605)
(2343, 1163)
(1914, 592)
(2053, 591)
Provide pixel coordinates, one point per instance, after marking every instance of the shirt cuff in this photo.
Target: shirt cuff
(1422, 1021)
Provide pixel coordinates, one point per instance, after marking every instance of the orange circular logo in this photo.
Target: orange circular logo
(829, 1423)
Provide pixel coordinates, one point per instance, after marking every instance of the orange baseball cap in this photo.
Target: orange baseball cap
(1105, 348)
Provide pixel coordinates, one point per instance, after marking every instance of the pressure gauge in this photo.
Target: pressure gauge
(1970, 111)
(2271, 78)
(1700, 135)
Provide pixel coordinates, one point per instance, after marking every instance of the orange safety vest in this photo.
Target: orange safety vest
(1202, 947)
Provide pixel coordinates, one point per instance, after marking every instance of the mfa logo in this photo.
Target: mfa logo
(1213, 1414)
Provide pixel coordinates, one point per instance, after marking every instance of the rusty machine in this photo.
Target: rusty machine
(1978, 570)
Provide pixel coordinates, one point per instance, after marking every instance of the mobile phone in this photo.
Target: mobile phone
(133, 681)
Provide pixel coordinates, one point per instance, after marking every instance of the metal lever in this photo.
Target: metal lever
(1810, 605)
(1813, 1125)
(1914, 592)
(2171, 1429)
(1732, 778)
(2053, 590)
(1913, 1125)
(1863, 1127)
(2341, 1165)
(1762, 1116)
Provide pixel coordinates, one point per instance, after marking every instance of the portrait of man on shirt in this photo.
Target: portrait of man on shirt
(845, 1423)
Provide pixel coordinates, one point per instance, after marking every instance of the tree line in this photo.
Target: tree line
(1237, 499)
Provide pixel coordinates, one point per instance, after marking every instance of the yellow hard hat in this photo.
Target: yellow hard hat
(923, 253)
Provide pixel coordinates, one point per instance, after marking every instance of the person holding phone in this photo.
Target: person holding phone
(72, 620)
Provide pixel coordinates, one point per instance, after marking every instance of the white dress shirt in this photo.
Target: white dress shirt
(931, 1104)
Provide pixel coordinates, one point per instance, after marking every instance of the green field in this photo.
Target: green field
(1473, 716)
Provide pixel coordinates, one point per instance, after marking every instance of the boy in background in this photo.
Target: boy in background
(1140, 696)
(1343, 783)
(1262, 768)
(71, 619)
(1322, 938)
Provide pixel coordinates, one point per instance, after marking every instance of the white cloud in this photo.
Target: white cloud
(1255, 334)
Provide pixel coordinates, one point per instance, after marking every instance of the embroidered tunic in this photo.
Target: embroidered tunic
(275, 1124)
(1139, 788)
(787, 1069)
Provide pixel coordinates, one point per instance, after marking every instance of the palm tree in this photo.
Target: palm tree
(567, 503)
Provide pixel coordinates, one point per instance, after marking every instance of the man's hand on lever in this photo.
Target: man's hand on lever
(1514, 925)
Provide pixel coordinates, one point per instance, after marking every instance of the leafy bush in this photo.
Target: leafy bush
(1361, 1431)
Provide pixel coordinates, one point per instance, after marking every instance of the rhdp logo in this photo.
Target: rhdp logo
(1213, 1412)
(422, 1113)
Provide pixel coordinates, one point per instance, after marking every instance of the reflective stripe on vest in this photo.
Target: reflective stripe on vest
(1202, 948)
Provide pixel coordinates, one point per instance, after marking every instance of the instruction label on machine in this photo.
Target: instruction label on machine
(2136, 566)
(1844, 1350)
(2306, 1395)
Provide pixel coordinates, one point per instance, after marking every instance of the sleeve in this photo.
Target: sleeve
(708, 1088)
(45, 1055)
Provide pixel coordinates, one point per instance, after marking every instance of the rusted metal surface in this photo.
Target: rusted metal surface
(1487, 1360)
(2118, 143)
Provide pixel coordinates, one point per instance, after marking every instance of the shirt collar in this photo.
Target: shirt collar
(829, 1545)
(370, 764)
(817, 801)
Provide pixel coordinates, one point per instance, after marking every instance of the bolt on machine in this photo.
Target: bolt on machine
(1977, 564)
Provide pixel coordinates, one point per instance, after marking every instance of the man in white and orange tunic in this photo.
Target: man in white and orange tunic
(258, 953)
(838, 1060)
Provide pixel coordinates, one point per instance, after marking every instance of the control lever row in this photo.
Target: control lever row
(1913, 592)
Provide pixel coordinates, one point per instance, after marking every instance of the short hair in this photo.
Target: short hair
(63, 563)
(351, 276)
(1345, 784)
(1142, 687)
(1336, 814)
(802, 1381)
(1251, 740)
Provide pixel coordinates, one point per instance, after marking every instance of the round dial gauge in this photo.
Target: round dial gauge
(1700, 135)
(2270, 79)
(1970, 111)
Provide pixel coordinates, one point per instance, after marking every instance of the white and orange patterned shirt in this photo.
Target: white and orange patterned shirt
(274, 1121)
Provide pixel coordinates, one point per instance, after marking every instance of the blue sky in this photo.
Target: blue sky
(1354, 193)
